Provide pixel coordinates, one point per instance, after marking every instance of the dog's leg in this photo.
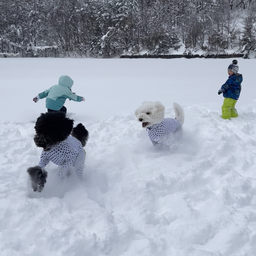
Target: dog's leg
(38, 178)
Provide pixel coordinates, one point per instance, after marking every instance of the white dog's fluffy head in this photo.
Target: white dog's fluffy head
(150, 113)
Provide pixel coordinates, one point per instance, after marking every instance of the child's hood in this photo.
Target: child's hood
(66, 81)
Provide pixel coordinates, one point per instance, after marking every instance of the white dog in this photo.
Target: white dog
(161, 131)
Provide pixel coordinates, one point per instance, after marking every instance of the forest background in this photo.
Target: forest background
(110, 28)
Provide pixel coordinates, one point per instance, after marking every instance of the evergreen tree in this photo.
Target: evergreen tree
(249, 34)
(109, 28)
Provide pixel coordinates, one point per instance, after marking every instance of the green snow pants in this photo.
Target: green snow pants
(228, 108)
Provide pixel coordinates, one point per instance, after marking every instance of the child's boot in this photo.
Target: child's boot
(234, 112)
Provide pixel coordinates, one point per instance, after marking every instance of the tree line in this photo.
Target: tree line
(109, 28)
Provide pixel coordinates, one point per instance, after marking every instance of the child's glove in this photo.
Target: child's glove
(220, 91)
(36, 99)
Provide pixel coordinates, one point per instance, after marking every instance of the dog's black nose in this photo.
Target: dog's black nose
(140, 119)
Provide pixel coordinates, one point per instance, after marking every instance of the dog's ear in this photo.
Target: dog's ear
(159, 107)
(159, 111)
(43, 141)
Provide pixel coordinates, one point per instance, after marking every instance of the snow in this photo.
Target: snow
(196, 200)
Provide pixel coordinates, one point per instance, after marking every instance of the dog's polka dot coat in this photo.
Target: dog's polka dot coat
(161, 134)
(67, 154)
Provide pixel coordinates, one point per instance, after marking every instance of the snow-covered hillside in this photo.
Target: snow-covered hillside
(197, 200)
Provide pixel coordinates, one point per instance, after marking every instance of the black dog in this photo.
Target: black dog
(38, 178)
(60, 142)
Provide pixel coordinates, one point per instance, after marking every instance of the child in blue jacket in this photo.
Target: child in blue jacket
(231, 91)
(57, 95)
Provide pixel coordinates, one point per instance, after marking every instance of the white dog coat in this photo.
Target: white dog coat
(166, 133)
(67, 154)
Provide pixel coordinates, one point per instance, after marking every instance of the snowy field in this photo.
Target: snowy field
(134, 200)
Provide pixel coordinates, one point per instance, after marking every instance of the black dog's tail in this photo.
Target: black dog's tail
(80, 133)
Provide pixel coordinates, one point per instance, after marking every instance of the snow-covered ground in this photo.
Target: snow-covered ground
(135, 200)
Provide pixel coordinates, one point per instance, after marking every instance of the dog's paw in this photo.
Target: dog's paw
(38, 178)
